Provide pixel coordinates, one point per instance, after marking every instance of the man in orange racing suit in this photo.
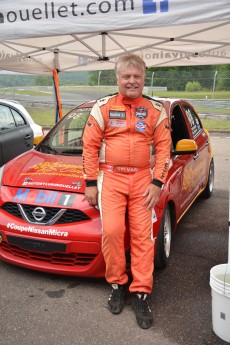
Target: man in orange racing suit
(123, 128)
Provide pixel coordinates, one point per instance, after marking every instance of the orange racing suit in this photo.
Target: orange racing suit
(123, 130)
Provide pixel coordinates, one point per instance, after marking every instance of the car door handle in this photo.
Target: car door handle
(196, 156)
(28, 136)
(207, 143)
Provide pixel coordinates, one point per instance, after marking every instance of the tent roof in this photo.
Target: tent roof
(38, 36)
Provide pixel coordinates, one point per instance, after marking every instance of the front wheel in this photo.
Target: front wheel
(164, 239)
(207, 192)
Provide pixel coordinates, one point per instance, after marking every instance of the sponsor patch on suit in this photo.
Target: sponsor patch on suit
(117, 114)
(117, 124)
(140, 126)
(141, 113)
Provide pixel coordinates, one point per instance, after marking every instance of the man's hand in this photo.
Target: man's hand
(91, 194)
(152, 194)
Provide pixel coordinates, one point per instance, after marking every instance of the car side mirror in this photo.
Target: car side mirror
(185, 147)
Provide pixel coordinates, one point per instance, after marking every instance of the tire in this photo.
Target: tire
(207, 192)
(163, 244)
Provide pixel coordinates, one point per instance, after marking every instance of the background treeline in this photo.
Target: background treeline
(15, 80)
(192, 78)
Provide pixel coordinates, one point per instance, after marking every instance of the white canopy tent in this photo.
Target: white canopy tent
(47, 37)
(40, 36)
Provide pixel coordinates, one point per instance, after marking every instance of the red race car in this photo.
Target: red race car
(46, 223)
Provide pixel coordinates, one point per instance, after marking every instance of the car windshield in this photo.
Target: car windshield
(66, 137)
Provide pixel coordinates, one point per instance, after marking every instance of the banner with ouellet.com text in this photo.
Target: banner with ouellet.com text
(28, 18)
(38, 37)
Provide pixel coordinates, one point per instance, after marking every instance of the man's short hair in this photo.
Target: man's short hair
(129, 60)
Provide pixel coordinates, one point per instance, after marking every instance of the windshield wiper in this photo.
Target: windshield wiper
(49, 148)
(71, 151)
(4, 128)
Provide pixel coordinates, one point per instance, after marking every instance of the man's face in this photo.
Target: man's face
(130, 81)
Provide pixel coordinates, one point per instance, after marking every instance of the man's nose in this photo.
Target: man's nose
(132, 79)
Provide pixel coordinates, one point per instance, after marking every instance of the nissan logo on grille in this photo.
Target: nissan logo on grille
(39, 214)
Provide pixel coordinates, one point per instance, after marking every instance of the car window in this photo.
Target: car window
(178, 126)
(6, 118)
(20, 121)
(193, 120)
(66, 137)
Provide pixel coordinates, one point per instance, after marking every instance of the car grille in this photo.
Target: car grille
(69, 215)
(72, 259)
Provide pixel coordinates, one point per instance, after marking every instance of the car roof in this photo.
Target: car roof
(18, 106)
(166, 99)
(87, 104)
(9, 101)
(163, 100)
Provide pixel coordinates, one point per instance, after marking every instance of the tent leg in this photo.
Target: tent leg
(59, 113)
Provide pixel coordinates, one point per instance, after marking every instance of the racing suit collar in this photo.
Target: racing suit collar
(127, 100)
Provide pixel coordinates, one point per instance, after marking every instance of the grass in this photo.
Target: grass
(219, 125)
(193, 95)
(46, 117)
(27, 92)
(209, 110)
(171, 94)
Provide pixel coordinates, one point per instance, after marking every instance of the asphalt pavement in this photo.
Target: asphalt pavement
(44, 309)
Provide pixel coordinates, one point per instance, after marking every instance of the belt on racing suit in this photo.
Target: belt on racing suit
(120, 168)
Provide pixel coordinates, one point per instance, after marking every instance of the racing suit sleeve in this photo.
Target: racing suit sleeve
(162, 145)
(92, 139)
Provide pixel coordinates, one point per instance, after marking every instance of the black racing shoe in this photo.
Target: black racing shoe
(116, 299)
(143, 312)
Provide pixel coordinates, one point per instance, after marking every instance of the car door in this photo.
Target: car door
(188, 168)
(201, 160)
(16, 136)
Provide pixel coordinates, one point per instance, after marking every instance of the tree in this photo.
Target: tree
(102, 77)
(223, 77)
(176, 78)
(43, 80)
(193, 86)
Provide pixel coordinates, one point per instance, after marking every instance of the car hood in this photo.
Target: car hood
(38, 170)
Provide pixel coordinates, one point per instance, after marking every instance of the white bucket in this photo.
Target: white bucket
(220, 284)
